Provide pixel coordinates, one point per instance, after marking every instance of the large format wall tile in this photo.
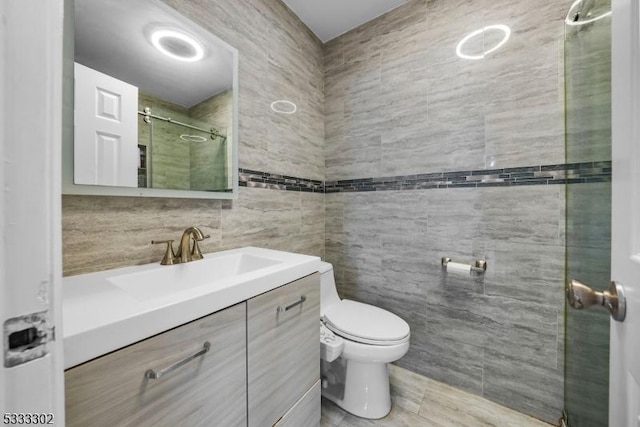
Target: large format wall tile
(527, 272)
(588, 62)
(533, 214)
(508, 131)
(387, 248)
(455, 320)
(518, 385)
(588, 346)
(590, 227)
(109, 232)
(454, 362)
(456, 218)
(101, 233)
(264, 216)
(435, 111)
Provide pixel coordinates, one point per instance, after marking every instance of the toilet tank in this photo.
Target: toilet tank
(328, 291)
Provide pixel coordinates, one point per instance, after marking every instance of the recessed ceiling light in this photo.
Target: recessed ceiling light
(573, 19)
(507, 33)
(284, 107)
(177, 45)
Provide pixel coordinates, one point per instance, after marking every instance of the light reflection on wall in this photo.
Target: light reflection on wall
(499, 27)
(284, 107)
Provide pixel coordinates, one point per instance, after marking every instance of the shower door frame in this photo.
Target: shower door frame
(587, 69)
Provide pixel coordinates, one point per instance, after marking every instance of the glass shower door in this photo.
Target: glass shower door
(587, 50)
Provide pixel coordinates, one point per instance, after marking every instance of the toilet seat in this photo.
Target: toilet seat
(366, 324)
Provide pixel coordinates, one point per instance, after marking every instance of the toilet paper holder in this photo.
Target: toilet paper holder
(478, 267)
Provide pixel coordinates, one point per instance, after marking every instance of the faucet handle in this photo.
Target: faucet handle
(169, 255)
(195, 252)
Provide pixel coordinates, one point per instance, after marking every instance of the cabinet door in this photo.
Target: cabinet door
(283, 348)
(306, 412)
(209, 390)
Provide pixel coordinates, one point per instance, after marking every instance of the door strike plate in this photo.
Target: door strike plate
(26, 338)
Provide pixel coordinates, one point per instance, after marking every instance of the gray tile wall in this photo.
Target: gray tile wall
(279, 59)
(498, 336)
(399, 102)
(100, 233)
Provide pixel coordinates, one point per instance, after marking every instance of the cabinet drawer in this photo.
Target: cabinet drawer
(306, 412)
(208, 390)
(283, 348)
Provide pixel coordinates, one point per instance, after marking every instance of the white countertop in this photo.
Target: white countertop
(99, 316)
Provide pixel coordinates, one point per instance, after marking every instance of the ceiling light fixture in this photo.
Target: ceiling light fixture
(177, 45)
(507, 33)
(284, 107)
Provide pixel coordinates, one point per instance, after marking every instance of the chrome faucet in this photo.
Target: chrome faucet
(186, 252)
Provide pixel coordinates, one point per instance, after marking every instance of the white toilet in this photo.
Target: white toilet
(358, 380)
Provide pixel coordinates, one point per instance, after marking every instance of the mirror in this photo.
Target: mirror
(154, 104)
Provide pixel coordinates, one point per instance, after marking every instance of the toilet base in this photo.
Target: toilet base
(366, 388)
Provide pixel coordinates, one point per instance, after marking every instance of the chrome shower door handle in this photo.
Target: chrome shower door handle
(580, 296)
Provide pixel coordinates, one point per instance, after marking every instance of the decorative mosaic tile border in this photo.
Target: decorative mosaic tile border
(257, 179)
(567, 173)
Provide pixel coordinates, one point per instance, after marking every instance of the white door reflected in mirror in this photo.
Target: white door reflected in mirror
(106, 130)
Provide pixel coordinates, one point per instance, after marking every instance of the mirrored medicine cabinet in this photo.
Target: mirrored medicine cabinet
(151, 103)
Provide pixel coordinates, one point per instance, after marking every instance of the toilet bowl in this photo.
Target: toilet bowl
(358, 380)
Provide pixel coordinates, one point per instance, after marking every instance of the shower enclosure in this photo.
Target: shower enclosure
(587, 61)
(181, 152)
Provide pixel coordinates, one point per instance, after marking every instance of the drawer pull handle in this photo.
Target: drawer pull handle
(290, 306)
(154, 375)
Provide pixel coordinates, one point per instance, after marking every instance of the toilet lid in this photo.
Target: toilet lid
(365, 323)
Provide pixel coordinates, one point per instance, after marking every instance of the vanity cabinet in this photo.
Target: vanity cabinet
(283, 353)
(262, 368)
(209, 390)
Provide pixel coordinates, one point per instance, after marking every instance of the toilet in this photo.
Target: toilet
(358, 379)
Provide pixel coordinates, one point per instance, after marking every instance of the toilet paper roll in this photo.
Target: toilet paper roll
(456, 267)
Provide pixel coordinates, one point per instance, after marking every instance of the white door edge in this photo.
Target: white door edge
(31, 39)
(624, 372)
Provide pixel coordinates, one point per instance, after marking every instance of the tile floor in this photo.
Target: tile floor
(419, 401)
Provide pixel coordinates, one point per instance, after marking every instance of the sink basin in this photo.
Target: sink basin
(168, 280)
(108, 310)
